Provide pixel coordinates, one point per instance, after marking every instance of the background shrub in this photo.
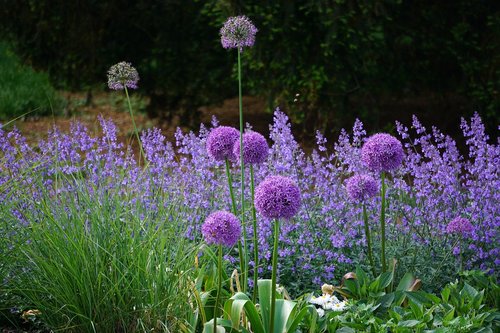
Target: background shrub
(23, 89)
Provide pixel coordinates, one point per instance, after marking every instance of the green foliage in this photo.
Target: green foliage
(23, 91)
(106, 268)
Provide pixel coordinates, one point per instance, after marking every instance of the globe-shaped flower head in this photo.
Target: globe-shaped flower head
(277, 197)
(255, 148)
(382, 152)
(122, 75)
(238, 32)
(361, 187)
(221, 228)
(220, 143)
(459, 225)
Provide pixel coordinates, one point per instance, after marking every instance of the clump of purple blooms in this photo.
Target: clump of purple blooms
(382, 152)
(460, 226)
(277, 197)
(221, 228)
(326, 237)
(255, 148)
(361, 187)
(122, 75)
(220, 143)
(238, 32)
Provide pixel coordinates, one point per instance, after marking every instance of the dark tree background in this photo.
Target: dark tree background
(378, 60)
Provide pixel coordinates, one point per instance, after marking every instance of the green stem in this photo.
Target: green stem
(135, 127)
(368, 240)
(273, 276)
(255, 242)
(233, 206)
(382, 223)
(219, 287)
(244, 273)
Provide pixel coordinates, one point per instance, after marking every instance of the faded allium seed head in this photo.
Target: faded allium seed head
(361, 187)
(255, 148)
(238, 32)
(277, 197)
(220, 143)
(382, 152)
(221, 228)
(459, 225)
(122, 75)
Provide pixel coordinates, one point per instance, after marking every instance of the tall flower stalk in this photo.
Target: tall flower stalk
(239, 32)
(121, 77)
(276, 198)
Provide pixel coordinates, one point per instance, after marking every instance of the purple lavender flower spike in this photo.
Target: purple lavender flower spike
(459, 225)
(382, 152)
(238, 32)
(221, 228)
(361, 187)
(220, 143)
(277, 197)
(122, 75)
(255, 148)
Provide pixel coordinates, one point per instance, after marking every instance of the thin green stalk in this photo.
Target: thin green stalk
(255, 242)
(233, 206)
(382, 223)
(368, 240)
(244, 273)
(273, 276)
(135, 127)
(219, 287)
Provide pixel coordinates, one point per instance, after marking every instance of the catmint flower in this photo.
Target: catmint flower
(361, 187)
(255, 148)
(459, 225)
(238, 32)
(382, 152)
(220, 143)
(277, 197)
(221, 228)
(122, 75)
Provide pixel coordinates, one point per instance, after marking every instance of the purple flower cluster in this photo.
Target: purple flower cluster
(122, 75)
(277, 197)
(433, 185)
(221, 228)
(238, 32)
(255, 148)
(361, 187)
(459, 225)
(382, 152)
(220, 143)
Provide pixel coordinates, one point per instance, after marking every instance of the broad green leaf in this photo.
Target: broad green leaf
(234, 307)
(385, 279)
(406, 282)
(408, 323)
(296, 319)
(283, 310)
(386, 300)
(265, 300)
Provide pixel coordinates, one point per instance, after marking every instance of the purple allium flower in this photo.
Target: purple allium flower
(122, 75)
(238, 32)
(382, 152)
(221, 228)
(277, 197)
(361, 187)
(255, 148)
(459, 225)
(220, 143)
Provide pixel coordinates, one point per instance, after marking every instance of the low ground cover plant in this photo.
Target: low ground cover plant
(99, 240)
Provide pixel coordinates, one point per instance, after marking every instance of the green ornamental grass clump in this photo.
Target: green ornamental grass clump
(24, 90)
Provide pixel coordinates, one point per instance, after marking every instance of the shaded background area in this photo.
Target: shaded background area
(323, 62)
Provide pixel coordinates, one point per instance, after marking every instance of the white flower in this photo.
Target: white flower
(340, 306)
(321, 312)
(321, 301)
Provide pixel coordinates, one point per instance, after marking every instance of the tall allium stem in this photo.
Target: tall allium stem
(382, 223)
(273, 276)
(368, 240)
(233, 207)
(244, 273)
(135, 127)
(255, 242)
(219, 287)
